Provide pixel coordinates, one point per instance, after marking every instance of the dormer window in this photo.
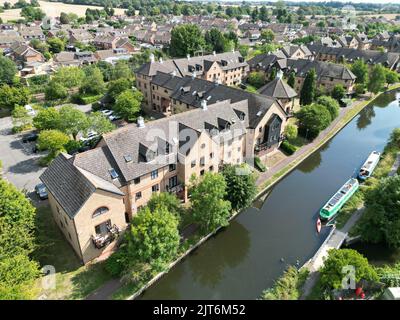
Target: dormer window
(113, 173)
(128, 158)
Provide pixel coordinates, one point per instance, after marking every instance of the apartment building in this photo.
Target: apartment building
(94, 194)
(227, 68)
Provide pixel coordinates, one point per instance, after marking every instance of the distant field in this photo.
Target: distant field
(52, 9)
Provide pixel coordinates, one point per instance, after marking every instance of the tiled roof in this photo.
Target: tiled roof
(279, 89)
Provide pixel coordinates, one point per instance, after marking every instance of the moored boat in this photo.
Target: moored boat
(369, 165)
(319, 225)
(331, 208)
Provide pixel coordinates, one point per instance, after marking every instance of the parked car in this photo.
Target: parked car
(90, 136)
(30, 137)
(114, 117)
(35, 149)
(41, 191)
(30, 110)
(107, 112)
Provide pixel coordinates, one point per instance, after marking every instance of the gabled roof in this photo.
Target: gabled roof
(279, 89)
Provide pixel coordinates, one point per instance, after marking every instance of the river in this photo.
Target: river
(245, 258)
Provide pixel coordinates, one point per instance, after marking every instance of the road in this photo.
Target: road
(20, 164)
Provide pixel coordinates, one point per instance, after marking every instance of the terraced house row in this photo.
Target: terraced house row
(94, 195)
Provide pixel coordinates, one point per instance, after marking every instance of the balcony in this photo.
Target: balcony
(102, 240)
(179, 190)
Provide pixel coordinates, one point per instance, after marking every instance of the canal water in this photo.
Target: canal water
(245, 258)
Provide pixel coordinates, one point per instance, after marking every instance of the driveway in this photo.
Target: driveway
(20, 164)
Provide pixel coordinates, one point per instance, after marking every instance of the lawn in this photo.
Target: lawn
(73, 280)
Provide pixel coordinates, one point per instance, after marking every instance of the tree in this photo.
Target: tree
(360, 70)
(116, 87)
(267, 35)
(153, 236)
(338, 92)
(64, 18)
(381, 221)
(307, 93)
(100, 123)
(186, 39)
(56, 45)
(69, 77)
(8, 70)
(47, 119)
(209, 207)
(313, 119)
(55, 91)
(331, 104)
(127, 104)
(377, 79)
(291, 79)
(263, 15)
(291, 131)
(391, 76)
(93, 82)
(168, 201)
(121, 70)
(240, 186)
(31, 13)
(332, 273)
(10, 97)
(215, 39)
(73, 121)
(20, 117)
(52, 140)
(256, 79)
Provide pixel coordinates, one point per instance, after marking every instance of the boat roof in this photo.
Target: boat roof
(339, 194)
(373, 158)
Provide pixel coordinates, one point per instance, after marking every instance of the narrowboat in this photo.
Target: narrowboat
(331, 208)
(369, 165)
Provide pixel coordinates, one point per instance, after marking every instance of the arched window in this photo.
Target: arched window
(100, 211)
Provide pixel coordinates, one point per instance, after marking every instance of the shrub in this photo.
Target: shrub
(117, 262)
(359, 88)
(259, 165)
(288, 148)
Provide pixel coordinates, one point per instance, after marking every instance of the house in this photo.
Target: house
(26, 54)
(7, 40)
(67, 58)
(94, 194)
(253, 34)
(80, 36)
(112, 55)
(29, 33)
(348, 42)
(228, 68)
(388, 59)
(294, 52)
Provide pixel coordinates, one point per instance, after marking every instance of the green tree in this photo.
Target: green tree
(10, 97)
(121, 70)
(127, 104)
(332, 272)
(93, 82)
(20, 117)
(69, 77)
(331, 104)
(47, 119)
(55, 91)
(209, 207)
(267, 35)
(216, 40)
(291, 79)
(338, 92)
(100, 123)
(115, 87)
(381, 221)
(391, 77)
(32, 14)
(240, 186)
(360, 70)
(307, 93)
(168, 201)
(377, 79)
(153, 236)
(52, 140)
(291, 131)
(56, 45)
(313, 119)
(256, 79)
(73, 121)
(186, 39)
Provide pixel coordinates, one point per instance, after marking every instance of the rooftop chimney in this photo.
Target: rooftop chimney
(152, 59)
(140, 122)
(214, 53)
(188, 56)
(174, 73)
(204, 104)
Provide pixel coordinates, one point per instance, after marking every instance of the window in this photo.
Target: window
(173, 182)
(202, 172)
(100, 211)
(103, 228)
(202, 161)
(155, 188)
(229, 154)
(230, 142)
(66, 221)
(193, 163)
(211, 168)
(203, 145)
(154, 174)
(172, 167)
(136, 180)
(260, 129)
(138, 195)
(113, 173)
(211, 155)
(238, 149)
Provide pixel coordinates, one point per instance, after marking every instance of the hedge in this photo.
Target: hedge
(77, 98)
(288, 148)
(259, 165)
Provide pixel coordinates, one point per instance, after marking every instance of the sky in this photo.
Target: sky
(345, 1)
